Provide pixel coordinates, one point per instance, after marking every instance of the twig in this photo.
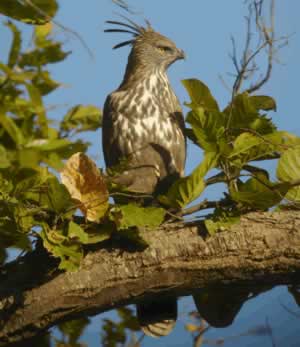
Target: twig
(59, 25)
(205, 204)
(269, 40)
(247, 65)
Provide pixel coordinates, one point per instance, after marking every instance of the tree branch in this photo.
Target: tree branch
(264, 248)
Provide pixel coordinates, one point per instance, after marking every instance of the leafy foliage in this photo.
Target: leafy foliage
(31, 196)
(33, 201)
(33, 12)
(231, 140)
(115, 333)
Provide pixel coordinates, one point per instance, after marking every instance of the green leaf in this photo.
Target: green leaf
(44, 83)
(30, 181)
(6, 186)
(38, 107)
(74, 329)
(263, 125)
(200, 95)
(263, 102)
(221, 220)
(221, 224)
(50, 54)
(76, 232)
(241, 112)
(10, 235)
(11, 128)
(187, 189)
(25, 217)
(258, 193)
(4, 161)
(133, 215)
(46, 145)
(15, 46)
(54, 160)
(35, 12)
(56, 196)
(248, 147)
(41, 33)
(98, 233)
(207, 127)
(29, 158)
(288, 170)
(82, 118)
(69, 253)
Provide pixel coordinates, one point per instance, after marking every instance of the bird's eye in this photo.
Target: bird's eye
(164, 49)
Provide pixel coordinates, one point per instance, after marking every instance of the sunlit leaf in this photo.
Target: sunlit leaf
(44, 83)
(133, 215)
(82, 118)
(41, 33)
(56, 196)
(11, 128)
(187, 189)
(4, 161)
(15, 46)
(70, 254)
(29, 158)
(33, 12)
(221, 220)
(258, 192)
(38, 106)
(50, 54)
(25, 217)
(207, 127)
(200, 95)
(248, 147)
(75, 231)
(98, 233)
(241, 112)
(86, 185)
(288, 170)
(263, 102)
(46, 145)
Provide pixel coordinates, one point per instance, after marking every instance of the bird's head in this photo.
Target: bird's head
(149, 48)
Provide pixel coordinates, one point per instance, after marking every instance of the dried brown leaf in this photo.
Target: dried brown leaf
(86, 186)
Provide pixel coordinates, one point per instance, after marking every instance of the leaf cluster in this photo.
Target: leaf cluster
(33, 147)
(235, 141)
(115, 333)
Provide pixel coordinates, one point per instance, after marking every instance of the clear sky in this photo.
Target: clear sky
(202, 28)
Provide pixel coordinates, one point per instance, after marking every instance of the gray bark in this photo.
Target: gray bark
(264, 248)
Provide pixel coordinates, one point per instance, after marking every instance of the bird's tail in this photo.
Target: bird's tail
(157, 317)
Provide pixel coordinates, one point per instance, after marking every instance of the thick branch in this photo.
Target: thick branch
(264, 248)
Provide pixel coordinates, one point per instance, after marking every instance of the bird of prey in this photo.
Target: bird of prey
(143, 125)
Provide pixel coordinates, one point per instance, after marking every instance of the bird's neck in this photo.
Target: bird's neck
(137, 73)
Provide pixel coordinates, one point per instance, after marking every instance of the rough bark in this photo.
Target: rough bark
(264, 248)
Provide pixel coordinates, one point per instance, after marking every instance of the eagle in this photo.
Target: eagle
(143, 126)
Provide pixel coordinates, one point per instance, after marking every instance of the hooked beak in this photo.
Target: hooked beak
(181, 54)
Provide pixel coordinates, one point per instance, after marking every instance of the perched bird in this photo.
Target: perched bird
(143, 125)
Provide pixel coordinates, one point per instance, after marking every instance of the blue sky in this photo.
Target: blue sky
(202, 28)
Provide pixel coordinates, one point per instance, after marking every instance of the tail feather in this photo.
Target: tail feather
(157, 317)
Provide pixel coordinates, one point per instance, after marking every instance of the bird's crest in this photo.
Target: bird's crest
(131, 28)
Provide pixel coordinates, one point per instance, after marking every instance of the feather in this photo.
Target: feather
(123, 44)
(125, 25)
(120, 31)
(138, 27)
